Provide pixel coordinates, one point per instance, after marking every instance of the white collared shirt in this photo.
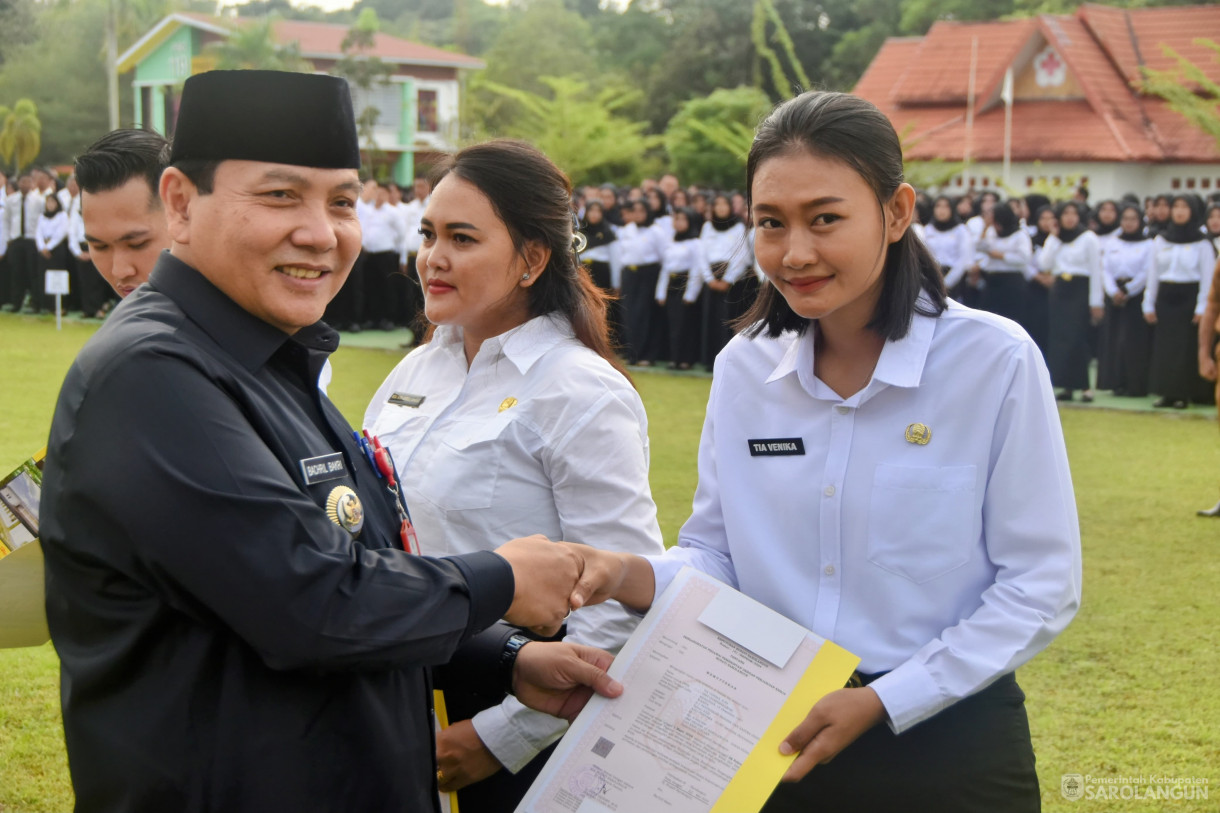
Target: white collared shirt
(1125, 259)
(952, 248)
(568, 459)
(728, 246)
(51, 231)
(33, 211)
(1180, 263)
(1079, 258)
(382, 229)
(680, 256)
(1017, 249)
(947, 564)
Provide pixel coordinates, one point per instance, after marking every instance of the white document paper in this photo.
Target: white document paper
(704, 675)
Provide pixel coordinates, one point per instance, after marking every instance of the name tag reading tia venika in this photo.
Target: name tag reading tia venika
(776, 447)
(323, 467)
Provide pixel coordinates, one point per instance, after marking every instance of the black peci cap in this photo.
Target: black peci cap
(276, 117)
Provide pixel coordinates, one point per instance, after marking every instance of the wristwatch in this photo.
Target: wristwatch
(508, 658)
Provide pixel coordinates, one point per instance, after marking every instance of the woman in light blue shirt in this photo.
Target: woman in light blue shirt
(925, 521)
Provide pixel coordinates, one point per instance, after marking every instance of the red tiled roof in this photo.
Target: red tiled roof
(325, 39)
(921, 84)
(1134, 37)
(940, 71)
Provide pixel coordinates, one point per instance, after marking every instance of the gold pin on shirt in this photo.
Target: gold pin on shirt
(345, 510)
(918, 433)
(507, 403)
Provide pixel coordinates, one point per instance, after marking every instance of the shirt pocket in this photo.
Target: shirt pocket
(467, 466)
(921, 520)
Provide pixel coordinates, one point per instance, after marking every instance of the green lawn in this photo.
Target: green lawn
(1131, 689)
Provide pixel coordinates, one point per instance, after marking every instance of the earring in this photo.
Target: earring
(525, 276)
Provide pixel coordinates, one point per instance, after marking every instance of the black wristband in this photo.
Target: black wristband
(508, 659)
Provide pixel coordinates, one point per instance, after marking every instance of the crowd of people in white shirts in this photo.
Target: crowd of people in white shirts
(40, 230)
(1123, 282)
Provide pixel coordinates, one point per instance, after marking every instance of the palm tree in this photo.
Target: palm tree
(20, 134)
(253, 47)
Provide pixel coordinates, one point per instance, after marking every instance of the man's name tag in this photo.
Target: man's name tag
(406, 399)
(323, 467)
(773, 447)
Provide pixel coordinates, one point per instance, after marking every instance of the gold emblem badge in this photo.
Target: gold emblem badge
(1066, 277)
(507, 403)
(344, 509)
(918, 433)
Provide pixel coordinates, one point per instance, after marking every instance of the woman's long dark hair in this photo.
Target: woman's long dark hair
(532, 197)
(851, 130)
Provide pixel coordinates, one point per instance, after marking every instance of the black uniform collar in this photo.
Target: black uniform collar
(244, 336)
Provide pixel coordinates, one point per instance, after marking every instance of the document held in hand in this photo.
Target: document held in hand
(713, 682)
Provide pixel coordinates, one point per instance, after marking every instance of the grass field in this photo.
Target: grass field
(1132, 689)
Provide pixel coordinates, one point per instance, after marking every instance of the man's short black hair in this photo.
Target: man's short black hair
(120, 155)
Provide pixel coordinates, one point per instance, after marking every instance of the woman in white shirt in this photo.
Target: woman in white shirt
(683, 270)
(1179, 275)
(1072, 255)
(639, 251)
(949, 241)
(51, 242)
(724, 244)
(1126, 345)
(515, 414)
(1005, 250)
(925, 522)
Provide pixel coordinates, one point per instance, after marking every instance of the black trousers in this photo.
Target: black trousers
(407, 298)
(1036, 315)
(95, 292)
(1068, 350)
(974, 756)
(22, 259)
(380, 307)
(60, 260)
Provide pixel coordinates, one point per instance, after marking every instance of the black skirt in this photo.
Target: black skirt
(975, 755)
(1068, 350)
(1126, 348)
(1175, 343)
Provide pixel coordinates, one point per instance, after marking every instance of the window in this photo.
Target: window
(429, 117)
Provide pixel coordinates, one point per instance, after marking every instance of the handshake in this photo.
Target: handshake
(554, 578)
(551, 580)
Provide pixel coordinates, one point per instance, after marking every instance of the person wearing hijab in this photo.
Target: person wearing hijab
(1072, 255)
(724, 245)
(1038, 286)
(639, 248)
(1006, 250)
(1126, 344)
(949, 241)
(1179, 274)
(684, 268)
(1158, 217)
(600, 259)
(1211, 221)
(1105, 219)
(51, 242)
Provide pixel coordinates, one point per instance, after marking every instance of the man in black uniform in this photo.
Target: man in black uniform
(239, 626)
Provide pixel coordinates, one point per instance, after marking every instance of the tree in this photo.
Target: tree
(20, 134)
(709, 137)
(577, 128)
(365, 71)
(1188, 89)
(253, 47)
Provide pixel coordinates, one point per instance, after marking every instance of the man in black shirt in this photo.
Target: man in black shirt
(239, 626)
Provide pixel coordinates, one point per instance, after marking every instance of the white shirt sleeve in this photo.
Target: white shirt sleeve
(1205, 258)
(1154, 277)
(1030, 601)
(600, 501)
(699, 271)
